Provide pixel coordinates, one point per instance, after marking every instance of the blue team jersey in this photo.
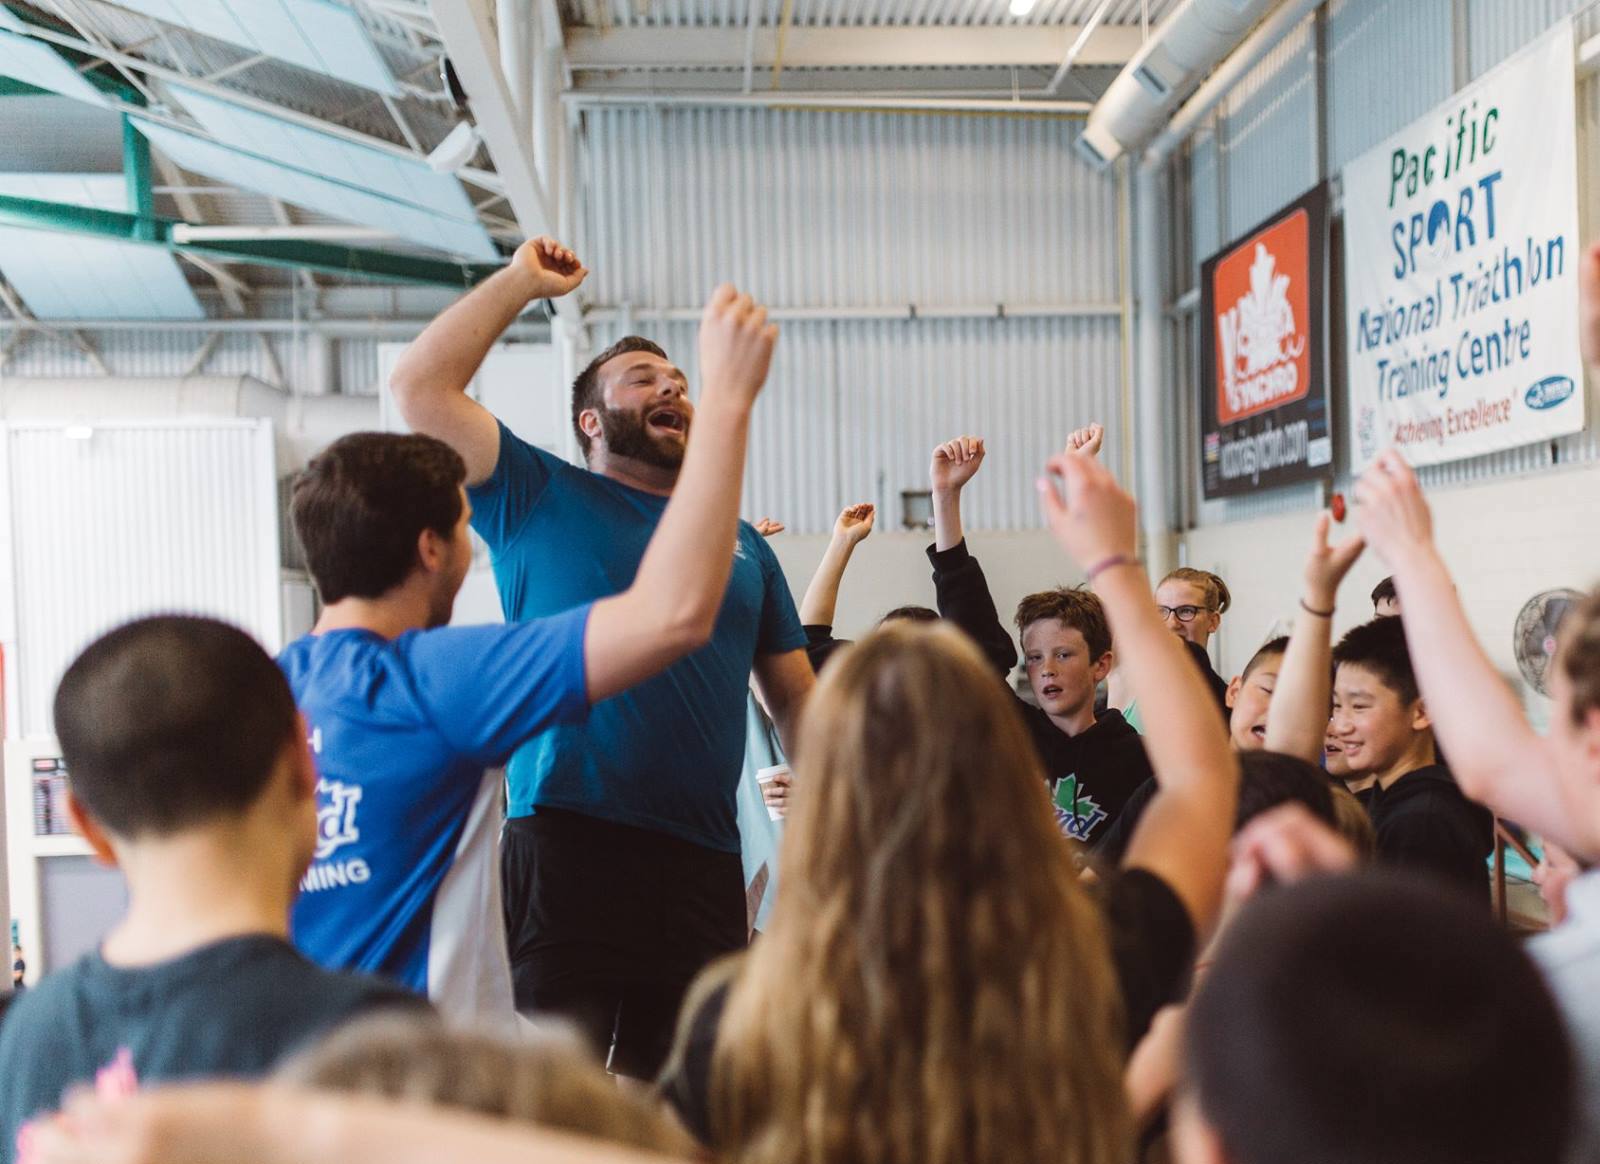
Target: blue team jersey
(665, 755)
(405, 881)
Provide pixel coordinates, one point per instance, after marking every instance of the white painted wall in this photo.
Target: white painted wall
(1504, 541)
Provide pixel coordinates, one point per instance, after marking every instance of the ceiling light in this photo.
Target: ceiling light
(1022, 7)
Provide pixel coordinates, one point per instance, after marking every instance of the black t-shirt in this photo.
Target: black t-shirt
(1424, 823)
(1152, 952)
(231, 1009)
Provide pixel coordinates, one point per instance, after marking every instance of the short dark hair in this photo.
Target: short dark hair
(1334, 998)
(1268, 779)
(910, 614)
(1073, 606)
(171, 721)
(363, 502)
(586, 392)
(1385, 592)
(1265, 651)
(1380, 647)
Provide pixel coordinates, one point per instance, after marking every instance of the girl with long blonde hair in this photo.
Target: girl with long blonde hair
(936, 985)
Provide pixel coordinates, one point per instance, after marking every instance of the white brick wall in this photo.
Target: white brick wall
(1504, 541)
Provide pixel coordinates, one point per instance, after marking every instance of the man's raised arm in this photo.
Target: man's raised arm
(430, 380)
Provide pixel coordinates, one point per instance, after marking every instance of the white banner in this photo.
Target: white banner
(1461, 251)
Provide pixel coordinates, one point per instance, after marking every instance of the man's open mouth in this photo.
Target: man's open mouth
(669, 419)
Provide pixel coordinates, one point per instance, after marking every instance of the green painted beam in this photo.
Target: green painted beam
(136, 170)
(332, 259)
(324, 258)
(11, 87)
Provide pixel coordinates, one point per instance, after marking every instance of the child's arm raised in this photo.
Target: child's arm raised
(1183, 838)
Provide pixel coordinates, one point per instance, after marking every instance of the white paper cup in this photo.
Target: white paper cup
(765, 776)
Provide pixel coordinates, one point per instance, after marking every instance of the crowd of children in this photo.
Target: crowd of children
(1137, 913)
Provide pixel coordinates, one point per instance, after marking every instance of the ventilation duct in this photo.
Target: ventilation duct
(1187, 46)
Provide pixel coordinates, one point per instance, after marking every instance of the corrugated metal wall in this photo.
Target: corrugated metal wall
(160, 351)
(93, 540)
(848, 213)
(1387, 62)
(853, 409)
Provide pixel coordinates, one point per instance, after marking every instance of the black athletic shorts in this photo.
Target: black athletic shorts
(608, 924)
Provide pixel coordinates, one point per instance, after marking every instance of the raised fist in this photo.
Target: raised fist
(1091, 517)
(736, 344)
(954, 463)
(555, 269)
(1391, 512)
(854, 524)
(1087, 440)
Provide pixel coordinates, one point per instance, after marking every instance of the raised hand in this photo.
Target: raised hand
(1391, 511)
(1327, 565)
(854, 524)
(766, 526)
(1087, 440)
(1589, 306)
(555, 269)
(954, 463)
(736, 344)
(1091, 517)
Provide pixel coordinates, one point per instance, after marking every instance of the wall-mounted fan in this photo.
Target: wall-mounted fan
(1533, 640)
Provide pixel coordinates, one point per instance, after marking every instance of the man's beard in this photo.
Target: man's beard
(627, 435)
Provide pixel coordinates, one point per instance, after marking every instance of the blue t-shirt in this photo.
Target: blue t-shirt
(405, 881)
(665, 755)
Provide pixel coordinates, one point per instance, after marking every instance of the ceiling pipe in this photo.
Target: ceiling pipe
(1251, 51)
(585, 99)
(378, 329)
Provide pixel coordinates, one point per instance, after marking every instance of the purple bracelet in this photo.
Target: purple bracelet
(1105, 564)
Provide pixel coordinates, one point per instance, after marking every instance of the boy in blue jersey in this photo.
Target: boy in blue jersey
(188, 771)
(407, 715)
(620, 862)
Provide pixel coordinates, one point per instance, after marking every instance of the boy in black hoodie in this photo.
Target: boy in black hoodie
(1421, 819)
(1094, 764)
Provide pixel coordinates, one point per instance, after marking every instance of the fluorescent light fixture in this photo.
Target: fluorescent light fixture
(63, 275)
(1023, 7)
(318, 35)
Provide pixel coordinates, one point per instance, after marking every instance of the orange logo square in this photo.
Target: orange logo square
(1262, 297)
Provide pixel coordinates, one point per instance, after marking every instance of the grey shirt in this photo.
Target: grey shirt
(1569, 955)
(230, 1009)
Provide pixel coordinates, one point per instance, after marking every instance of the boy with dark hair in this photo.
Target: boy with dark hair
(189, 772)
(408, 716)
(1419, 815)
(1266, 780)
(1383, 1050)
(1094, 762)
(1249, 695)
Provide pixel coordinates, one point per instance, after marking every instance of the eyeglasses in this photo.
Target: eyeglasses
(1181, 613)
